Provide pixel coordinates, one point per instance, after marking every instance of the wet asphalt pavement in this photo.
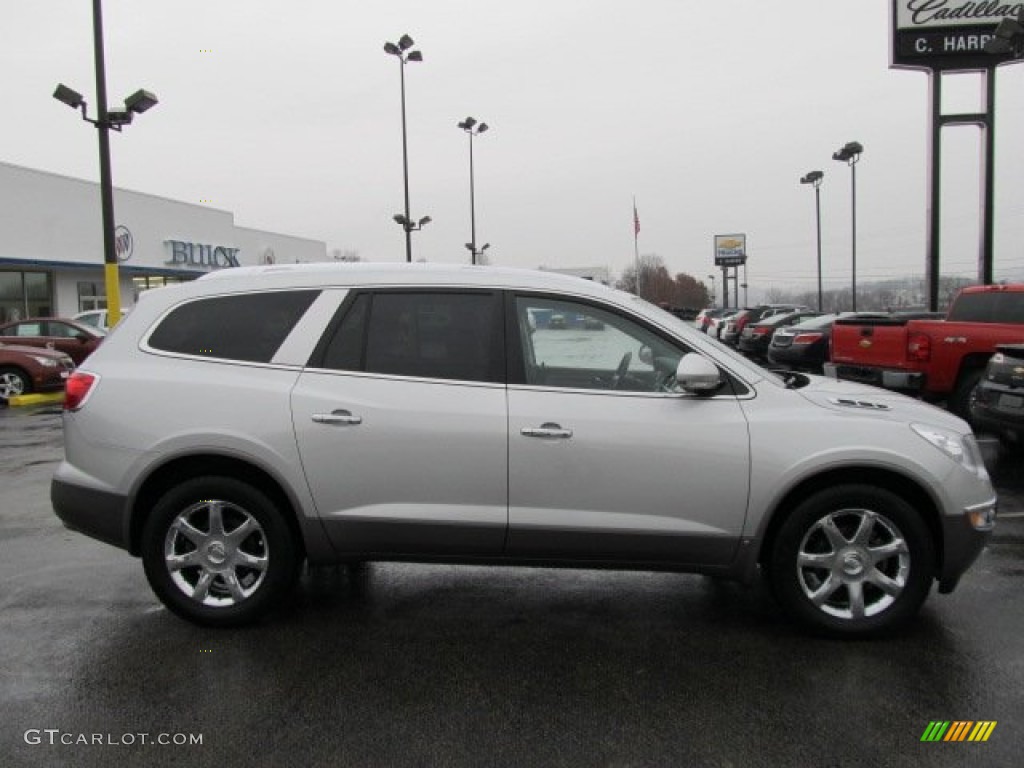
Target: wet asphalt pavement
(396, 665)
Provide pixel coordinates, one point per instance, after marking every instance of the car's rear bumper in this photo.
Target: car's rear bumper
(988, 411)
(99, 514)
(904, 381)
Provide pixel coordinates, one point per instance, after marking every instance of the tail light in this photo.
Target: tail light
(77, 388)
(760, 330)
(919, 348)
(806, 338)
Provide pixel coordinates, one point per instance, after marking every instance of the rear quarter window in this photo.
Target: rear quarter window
(248, 327)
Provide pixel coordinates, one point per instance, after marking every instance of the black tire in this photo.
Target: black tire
(894, 550)
(225, 576)
(13, 381)
(960, 401)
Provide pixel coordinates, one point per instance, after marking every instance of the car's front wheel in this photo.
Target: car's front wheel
(852, 560)
(13, 382)
(218, 552)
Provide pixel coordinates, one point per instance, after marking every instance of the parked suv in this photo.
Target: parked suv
(344, 413)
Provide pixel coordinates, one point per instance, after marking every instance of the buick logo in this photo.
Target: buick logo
(124, 245)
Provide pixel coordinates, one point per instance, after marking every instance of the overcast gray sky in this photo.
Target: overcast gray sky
(288, 114)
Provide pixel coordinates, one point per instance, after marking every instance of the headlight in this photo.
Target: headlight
(46, 362)
(960, 448)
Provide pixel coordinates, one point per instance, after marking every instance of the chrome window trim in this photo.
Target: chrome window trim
(400, 377)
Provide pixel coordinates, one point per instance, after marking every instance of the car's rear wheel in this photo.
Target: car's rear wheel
(218, 552)
(964, 392)
(13, 382)
(853, 560)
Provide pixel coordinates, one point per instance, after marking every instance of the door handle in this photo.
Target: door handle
(340, 416)
(548, 429)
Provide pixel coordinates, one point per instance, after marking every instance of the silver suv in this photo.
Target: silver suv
(231, 428)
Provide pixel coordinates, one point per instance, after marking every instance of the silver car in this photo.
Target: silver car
(260, 417)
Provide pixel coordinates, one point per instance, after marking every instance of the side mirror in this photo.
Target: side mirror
(82, 338)
(696, 374)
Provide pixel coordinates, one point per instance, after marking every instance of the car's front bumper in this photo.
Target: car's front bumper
(963, 540)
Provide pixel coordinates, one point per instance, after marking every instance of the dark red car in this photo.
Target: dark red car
(31, 369)
(67, 336)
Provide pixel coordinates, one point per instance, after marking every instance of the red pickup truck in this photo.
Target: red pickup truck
(935, 358)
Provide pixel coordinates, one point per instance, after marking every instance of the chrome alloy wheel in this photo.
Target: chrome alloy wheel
(11, 384)
(853, 563)
(216, 553)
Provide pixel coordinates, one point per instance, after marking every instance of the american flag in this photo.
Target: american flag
(636, 221)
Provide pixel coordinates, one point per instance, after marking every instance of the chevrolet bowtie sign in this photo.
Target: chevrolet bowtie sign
(947, 34)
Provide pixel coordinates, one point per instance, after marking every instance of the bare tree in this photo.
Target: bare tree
(659, 287)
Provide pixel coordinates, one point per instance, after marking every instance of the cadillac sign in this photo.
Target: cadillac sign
(730, 250)
(947, 35)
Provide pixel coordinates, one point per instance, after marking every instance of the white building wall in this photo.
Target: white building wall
(54, 223)
(260, 246)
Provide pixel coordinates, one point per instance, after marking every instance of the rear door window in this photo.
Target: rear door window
(436, 335)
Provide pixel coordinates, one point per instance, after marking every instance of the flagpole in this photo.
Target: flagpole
(636, 245)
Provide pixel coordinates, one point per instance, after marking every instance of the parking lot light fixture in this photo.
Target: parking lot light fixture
(1008, 37)
(473, 128)
(815, 178)
(401, 51)
(105, 120)
(850, 154)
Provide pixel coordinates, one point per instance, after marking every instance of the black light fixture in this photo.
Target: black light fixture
(408, 224)
(105, 120)
(472, 128)
(69, 96)
(815, 178)
(140, 101)
(399, 51)
(850, 154)
(1009, 37)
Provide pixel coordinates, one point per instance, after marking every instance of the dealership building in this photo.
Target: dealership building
(51, 244)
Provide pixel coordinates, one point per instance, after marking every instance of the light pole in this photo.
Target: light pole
(712, 289)
(399, 50)
(849, 153)
(106, 119)
(815, 178)
(473, 128)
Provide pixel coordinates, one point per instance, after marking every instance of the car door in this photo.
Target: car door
(608, 461)
(69, 339)
(402, 427)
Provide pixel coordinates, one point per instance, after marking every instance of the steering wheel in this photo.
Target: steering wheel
(620, 370)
